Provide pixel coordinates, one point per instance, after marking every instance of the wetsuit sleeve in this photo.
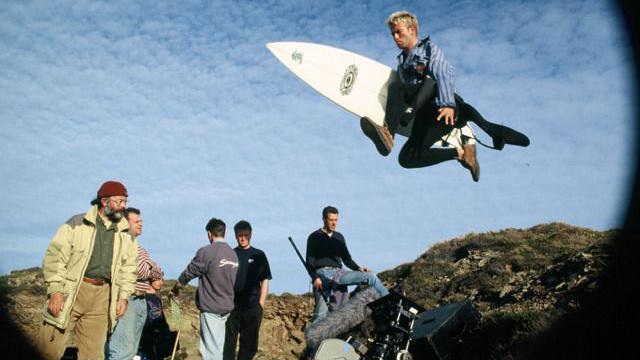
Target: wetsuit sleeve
(442, 72)
(197, 267)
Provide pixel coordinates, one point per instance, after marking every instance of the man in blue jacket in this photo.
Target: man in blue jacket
(425, 93)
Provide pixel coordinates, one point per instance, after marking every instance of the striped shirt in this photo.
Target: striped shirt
(147, 270)
(427, 59)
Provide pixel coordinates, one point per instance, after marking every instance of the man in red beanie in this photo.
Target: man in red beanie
(90, 270)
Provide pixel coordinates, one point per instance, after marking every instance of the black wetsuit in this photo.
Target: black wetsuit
(416, 70)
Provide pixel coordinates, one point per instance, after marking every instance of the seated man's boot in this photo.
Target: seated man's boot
(380, 135)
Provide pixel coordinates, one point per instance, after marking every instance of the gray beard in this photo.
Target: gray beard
(112, 215)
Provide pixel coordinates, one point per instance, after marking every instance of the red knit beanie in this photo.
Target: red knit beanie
(112, 188)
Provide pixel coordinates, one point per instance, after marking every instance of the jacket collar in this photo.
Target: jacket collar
(402, 56)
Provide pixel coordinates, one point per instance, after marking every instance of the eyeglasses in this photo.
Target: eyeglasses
(119, 201)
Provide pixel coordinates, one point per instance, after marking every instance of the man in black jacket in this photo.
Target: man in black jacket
(326, 252)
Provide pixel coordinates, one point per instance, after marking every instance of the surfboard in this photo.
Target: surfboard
(353, 82)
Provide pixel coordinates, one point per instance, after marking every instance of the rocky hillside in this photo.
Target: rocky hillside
(521, 281)
(281, 333)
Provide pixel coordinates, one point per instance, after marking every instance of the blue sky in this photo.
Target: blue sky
(183, 103)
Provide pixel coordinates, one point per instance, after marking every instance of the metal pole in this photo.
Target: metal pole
(304, 263)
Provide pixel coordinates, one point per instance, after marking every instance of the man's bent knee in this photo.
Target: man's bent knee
(405, 161)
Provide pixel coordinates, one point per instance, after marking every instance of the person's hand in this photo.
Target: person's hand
(175, 290)
(55, 304)
(317, 284)
(448, 114)
(364, 269)
(121, 307)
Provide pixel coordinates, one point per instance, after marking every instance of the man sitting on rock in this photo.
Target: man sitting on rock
(326, 252)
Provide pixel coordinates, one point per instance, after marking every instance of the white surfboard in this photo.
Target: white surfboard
(353, 82)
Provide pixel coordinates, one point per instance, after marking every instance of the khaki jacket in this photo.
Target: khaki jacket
(67, 257)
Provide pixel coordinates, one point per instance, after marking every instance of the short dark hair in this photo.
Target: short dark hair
(328, 210)
(130, 210)
(216, 227)
(242, 225)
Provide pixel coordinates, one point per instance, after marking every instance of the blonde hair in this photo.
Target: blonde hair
(405, 18)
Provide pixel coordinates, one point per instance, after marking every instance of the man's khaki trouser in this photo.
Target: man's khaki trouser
(89, 317)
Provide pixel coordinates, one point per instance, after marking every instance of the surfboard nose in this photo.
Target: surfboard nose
(272, 45)
(282, 50)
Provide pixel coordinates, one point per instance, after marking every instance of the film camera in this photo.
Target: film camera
(393, 316)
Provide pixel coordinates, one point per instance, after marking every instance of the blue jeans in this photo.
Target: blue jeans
(123, 344)
(348, 278)
(212, 333)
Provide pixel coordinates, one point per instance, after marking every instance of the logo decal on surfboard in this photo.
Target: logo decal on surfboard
(296, 56)
(349, 79)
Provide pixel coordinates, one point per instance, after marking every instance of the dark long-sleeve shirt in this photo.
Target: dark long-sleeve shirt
(324, 250)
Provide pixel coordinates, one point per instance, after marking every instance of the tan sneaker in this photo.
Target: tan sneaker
(380, 135)
(470, 161)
